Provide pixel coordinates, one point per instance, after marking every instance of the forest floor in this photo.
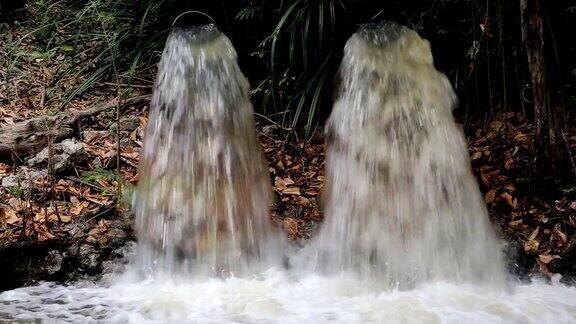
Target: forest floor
(62, 213)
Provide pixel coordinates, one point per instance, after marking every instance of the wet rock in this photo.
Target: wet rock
(95, 236)
(66, 154)
(24, 263)
(113, 266)
(115, 237)
(53, 262)
(125, 251)
(24, 178)
(72, 250)
(89, 258)
(515, 258)
(557, 266)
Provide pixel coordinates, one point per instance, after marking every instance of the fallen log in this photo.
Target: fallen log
(32, 135)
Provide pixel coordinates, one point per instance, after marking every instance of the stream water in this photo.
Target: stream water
(277, 297)
(406, 237)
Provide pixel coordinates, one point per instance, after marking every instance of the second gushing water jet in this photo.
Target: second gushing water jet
(401, 204)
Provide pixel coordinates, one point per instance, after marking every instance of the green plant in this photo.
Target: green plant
(302, 61)
(17, 191)
(93, 176)
(100, 39)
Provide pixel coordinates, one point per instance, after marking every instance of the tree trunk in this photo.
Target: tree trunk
(549, 140)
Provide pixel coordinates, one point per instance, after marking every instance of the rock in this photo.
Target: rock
(53, 262)
(96, 236)
(89, 258)
(270, 130)
(71, 146)
(113, 266)
(24, 178)
(65, 155)
(117, 261)
(73, 250)
(116, 237)
(125, 251)
(97, 163)
(127, 124)
(515, 258)
(557, 266)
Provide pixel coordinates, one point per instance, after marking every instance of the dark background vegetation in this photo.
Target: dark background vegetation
(290, 50)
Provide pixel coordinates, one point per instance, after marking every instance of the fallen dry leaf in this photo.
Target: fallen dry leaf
(490, 196)
(4, 168)
(531, 246)
(77, 207)
(511, 201)
(534, 234)
(300, 200)
(103, 224)
(15, 203)
(546, 258)
(42, 231)
(9, 215)
(292, 191)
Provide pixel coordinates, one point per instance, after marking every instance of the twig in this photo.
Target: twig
(141, 86)
(87, 183)
(97, 214)
(273, 122)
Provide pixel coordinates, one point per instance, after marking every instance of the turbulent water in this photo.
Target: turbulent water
(401, 203)
(275, 297)
(402, 209)
(202, 204)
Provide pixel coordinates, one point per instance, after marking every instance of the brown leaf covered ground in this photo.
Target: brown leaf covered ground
(535, 211)
(542, 220)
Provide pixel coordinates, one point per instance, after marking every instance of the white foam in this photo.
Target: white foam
(277, 297)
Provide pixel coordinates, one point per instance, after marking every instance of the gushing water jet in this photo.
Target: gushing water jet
(202, 202)
(401, 203)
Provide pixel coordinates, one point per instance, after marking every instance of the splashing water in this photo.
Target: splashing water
(275, 297)
(393, 148)
(202, 203)
(401, 203)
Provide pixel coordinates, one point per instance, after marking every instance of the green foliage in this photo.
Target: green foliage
(17, 192)
(246, 13)
(99, 174)
(302, 61)
(290, 50)
(111, 38)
